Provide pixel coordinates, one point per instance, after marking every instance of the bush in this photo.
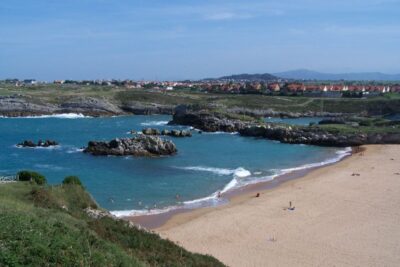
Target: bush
(32, 176)
(72, 180)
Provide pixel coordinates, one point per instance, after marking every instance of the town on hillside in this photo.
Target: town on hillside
(272, 87)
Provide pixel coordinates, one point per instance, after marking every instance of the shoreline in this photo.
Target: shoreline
(161, 220)
(345, 215)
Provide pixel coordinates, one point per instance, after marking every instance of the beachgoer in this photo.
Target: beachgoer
(258, 195)
(219, 194)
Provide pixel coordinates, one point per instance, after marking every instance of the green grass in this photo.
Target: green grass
(364, 125)
(119, 95)
(47, 226)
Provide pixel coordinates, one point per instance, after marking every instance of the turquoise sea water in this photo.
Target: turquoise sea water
(204, 165)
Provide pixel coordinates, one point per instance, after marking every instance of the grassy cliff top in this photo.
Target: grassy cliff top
(48, 226)
(52, 93)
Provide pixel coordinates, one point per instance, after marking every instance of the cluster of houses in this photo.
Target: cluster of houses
(329, 90)
(239, 87)
(298, 87)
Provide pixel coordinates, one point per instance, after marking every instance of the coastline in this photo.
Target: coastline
(160, 220)
(346, 214)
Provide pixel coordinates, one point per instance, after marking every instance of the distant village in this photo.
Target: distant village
(274, 87)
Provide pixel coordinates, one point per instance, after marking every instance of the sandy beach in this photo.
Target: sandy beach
(346, 214)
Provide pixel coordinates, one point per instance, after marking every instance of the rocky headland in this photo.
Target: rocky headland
(351, 133)
(20, 106)
(317, 136)
(140, 146)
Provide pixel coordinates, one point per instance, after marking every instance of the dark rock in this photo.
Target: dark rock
(174, 133)
(205, 121)
(332, 121)
(151, 131)
(316, 136)
(140, 108)
(165, 132)
(140, 145)
(40, 143)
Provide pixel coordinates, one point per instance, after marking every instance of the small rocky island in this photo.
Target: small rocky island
(173, 133)
(140, 146)
(40, 143)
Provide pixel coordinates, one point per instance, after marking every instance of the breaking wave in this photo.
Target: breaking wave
(241, 177)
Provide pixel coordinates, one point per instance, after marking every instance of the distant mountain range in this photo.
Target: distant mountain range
(247, 77)
(304, 74)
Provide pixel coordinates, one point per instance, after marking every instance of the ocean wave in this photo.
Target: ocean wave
(241, 178)
(74, 150)
(238, 172)
(154, 123)
(39, 147)
(340, 155)
(57, 116)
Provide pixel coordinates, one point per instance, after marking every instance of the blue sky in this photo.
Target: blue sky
(177, 39)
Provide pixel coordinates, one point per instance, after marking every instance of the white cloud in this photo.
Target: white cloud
(227, 16)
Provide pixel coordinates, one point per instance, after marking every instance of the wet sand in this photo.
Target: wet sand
(346, 214)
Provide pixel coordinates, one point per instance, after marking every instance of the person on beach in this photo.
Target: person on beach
(258, 195)
(219, 194)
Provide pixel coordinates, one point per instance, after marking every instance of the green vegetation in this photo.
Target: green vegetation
(51, 93)
(72, 180)
(48, 226)
(360, 125)
(31, 176)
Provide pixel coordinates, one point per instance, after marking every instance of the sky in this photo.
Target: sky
(187, 39)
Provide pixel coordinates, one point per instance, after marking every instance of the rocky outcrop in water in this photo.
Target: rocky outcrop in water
(40, 143)
(205, 121)
(317, 136)
(173, 133)
(140, 146)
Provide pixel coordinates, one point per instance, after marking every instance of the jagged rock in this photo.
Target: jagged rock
(140, 108)
(205, 121)
(174, 133)
(40, 143)
(165, 132)
(317, 136)
(140, 145)
(151, 131)
(89, 106)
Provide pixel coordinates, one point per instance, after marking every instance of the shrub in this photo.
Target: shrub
(72, 180)
(32, 177)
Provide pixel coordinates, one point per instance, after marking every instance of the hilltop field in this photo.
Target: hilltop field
(53, 98)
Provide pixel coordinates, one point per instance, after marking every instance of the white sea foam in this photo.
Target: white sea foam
(241, 177)
(74, 150)
(154, 123)
(39, 147)
(219, 132)
(238, 172)
(57, 116)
